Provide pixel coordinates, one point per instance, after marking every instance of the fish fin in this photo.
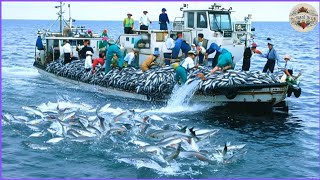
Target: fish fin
(193, 134)
(225, 149)
(184, 129)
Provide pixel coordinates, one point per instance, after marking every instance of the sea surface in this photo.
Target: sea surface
(278, 144)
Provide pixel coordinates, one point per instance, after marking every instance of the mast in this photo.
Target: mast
(70, 19)
(60, 15)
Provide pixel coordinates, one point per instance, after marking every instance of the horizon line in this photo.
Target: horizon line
(105, 20)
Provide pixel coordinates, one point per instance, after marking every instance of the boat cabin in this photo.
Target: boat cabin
(214, 23)
(53, 41)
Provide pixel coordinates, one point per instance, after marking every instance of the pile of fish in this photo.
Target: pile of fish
(233, 78)
(158, 145)
(158, 82)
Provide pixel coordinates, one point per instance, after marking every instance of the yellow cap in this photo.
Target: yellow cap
(175, 65)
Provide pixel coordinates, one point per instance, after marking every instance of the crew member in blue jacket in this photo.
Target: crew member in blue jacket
(177, 46)
(180, 44)
(185, 48)
(113, 49)
(214, 47)
(39, 44)
(272, 57)
(163, 19)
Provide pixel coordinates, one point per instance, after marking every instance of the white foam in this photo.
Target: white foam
(178, 109)
(52, 107)
(19, 72)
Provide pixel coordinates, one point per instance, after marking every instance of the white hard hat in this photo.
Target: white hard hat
(287, 57)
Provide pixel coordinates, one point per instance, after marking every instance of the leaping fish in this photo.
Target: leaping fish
(54, 140)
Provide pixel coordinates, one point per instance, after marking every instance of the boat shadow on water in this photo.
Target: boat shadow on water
(249, 119)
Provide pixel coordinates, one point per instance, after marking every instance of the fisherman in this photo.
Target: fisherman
(247, 56)
(163, 19)
(272, 57)
(115, 62)
(39, 43)
(144, 21)
(193, 47)
(201, 43)
(90, 33)
(185, 48)
(113, 49)
(180, 44)
(128, 23)
(182, 69)
(97, 61)
(88, 61)
(288, 77)
(288, 68)
(40, 47)
(86, 47)
(66, 49)
(67, 31)
(103, 45)
(150, 61)
(167, 48)
(224, 61)
(177, 46)
(130, 58)
(214, 47)
(105, 33)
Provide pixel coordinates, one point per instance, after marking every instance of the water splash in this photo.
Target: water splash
(182, 95)
(180, 100)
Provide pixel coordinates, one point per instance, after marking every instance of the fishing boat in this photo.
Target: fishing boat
(214, 22)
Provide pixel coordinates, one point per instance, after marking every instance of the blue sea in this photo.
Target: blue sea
(278, 144)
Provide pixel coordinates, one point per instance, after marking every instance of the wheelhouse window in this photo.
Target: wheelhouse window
(202, 20)
(190, 19)
(220, 21)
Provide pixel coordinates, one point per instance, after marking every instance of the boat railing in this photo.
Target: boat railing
(178, 23)
(149, 31)
(184, 30)
(60, 36)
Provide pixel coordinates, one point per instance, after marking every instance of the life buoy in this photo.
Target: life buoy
(231, 93)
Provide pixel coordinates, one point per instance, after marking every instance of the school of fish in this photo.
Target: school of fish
(158, 145)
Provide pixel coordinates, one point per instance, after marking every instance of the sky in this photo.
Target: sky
(261, 11)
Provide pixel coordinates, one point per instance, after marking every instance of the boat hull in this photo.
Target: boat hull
(270, 94)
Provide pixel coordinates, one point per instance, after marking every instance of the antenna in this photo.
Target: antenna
(183, 6)
(215, 6)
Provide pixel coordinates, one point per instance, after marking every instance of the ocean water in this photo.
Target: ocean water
(278, 145)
